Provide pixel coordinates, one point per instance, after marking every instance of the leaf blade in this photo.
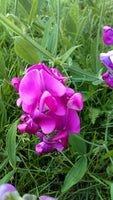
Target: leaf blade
(75, 174)
(11, 143)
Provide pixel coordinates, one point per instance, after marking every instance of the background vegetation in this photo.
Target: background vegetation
(66, 34)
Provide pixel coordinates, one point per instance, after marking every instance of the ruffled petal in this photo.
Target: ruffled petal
(58, 146)
(107, 59)
(30, 87)
(16, 82)
(76, 102)
(38, 67)
(108, 78)
(46, 123)
(19, 102)
(72, 121)
(44, 148)
(55, 87)
(49, 100)
(69, 92)
(108, 35)
(63, 137)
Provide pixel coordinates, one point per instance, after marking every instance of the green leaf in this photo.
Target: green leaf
(68, 53)
(78, 145)
(26, 50)
(53, 40)
(7, 177)
(2, 66)
(11, 143)
(75, 174)
(111, 190)
(33, 10)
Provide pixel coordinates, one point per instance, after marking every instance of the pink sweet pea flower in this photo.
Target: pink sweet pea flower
(29, 126)
(16, 82)
(108, 35)
(108, 78)
(76, 102)
(107, 59)
(44, 197)
(50, 106)
(47, 145)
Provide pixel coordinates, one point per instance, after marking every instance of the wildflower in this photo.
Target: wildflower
(44, 197)
(5, 189)
(108, 78)
(49, 105)
(107, 59)
(108, 35)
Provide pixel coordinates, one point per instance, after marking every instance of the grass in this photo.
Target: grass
(46, 34)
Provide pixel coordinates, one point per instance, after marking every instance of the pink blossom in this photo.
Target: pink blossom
(108, 35)
(108, 78)
(49, 105)
(107, 59)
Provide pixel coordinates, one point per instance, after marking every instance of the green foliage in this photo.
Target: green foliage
(75, 174)
(11, 143)
(67, 35)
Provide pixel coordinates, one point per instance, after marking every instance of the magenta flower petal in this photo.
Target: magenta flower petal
(69, 92)
(60, 135)
(46, 122)
(108, 35)
(49, 100)
(76, 102)
(29, 126)
(55, 87)
(108, 78)
(63, 137)
(73, 121)
(61, 108)
(29, 108)
(18, 102)
(16, 82)
(30, 88)
(44, 197)
(57, 74)
(40, 135)
(39, 67)
(58, 146)
(107, 59)
(44, 148)
(6, 187)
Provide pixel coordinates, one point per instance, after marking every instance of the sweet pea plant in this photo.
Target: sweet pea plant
(55, 108)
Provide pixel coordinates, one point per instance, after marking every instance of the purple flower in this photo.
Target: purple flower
(49, 105)
(29, 126)
(107, 59)
(5, 189)
(108, 78)
(44, 197)
(47, 145)
(108, 35)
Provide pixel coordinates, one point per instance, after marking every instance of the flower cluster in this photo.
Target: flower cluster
(107, 58)
(8, 191)
(49, 105)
